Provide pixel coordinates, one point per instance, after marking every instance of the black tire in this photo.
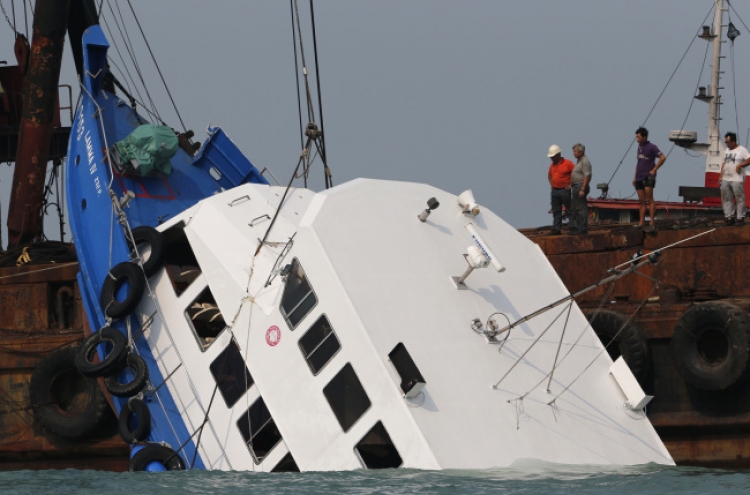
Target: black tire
(116, 344)
(170, 459)
(122, 273)
(64, 401)
(133, 386)
(711, 345)
(629, 343)
(142, 429)
(153, 238)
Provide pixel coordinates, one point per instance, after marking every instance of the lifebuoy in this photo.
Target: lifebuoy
(135, 374)
(628, 342)
(123, 274)
(138, 409)
(64, 401)
(145, 235)
(168, 458)
(711, 345)
(115, 345)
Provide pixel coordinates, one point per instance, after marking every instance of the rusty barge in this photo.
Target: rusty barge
(51, 416)
(682, 324)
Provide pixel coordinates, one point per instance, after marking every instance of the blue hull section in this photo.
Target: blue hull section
(93, 187)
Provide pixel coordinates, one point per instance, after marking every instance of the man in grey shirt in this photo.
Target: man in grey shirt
(579, 180)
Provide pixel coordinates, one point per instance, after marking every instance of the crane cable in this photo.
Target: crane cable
(659, 97)
(315, 135)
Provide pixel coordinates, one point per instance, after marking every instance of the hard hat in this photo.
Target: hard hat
(553, 150)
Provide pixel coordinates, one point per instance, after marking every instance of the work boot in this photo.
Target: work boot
(740, 222)
(730, 221)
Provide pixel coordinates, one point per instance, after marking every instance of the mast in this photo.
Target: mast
(715, 150)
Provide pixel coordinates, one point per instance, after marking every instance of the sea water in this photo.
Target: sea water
(533, 479)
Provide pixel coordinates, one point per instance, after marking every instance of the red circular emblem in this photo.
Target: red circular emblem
(273, 335)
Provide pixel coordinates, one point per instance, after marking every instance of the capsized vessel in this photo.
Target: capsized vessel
(245, 326)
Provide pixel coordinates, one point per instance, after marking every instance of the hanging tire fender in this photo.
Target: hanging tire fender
(628, 342)
(115, 343)
(122, 274)
(63, 400)
(135, 408)
(135, 374)
(168, 458)
(711, 345)
(145, 235)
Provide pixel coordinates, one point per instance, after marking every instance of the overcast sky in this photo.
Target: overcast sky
(459, 95)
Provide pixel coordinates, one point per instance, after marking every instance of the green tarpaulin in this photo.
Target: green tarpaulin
(147, 150)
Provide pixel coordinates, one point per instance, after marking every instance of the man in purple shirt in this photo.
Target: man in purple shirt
(645, 175)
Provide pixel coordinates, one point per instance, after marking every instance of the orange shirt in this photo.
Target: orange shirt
(559, 174)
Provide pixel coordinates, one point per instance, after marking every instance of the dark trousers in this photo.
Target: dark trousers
(579, 210)
(559, 197)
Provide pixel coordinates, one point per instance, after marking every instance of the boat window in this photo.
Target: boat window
(298, 298)
(346, 397)
(179, 259)
(205, 318)
(286, 465)
(319, 345)
(411, 379)
(231, 374)
(259, 430)
(377, 450)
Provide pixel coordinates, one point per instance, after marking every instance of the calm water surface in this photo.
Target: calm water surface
(535, 479)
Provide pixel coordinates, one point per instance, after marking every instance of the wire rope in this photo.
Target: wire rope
(296, 78)
(124, 70)
(131, 51)
(321, 142)
(692, 100)
(158, 69)
(659, 97)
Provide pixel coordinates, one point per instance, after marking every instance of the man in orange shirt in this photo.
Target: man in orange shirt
(559, 180)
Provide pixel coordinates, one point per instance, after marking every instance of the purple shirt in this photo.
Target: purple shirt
(647, 154)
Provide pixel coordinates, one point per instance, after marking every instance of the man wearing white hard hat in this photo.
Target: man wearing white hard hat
(559, 181)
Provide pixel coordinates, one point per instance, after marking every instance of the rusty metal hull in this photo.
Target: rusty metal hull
(34, 323)
(707, 428)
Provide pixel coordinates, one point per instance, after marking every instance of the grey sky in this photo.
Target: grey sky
(460, 95)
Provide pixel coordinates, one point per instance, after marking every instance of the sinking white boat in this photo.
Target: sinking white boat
(376, 324)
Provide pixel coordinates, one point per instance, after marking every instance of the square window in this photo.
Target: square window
(298, 298)
(231, 374)
(346, 397)
(259, 431)
(286, 465)
(179, 259)
(319, 344)
(377, 450)
(205, 318)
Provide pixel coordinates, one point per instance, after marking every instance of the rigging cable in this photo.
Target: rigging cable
(26, 19)
(296, 77)
(124, 70)
(321, 142)
(659, 97)
(311, 130)
(308, 97)
(11, 24)
(166, 87)
(738, 15)
(128, 46)
(692, 100)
